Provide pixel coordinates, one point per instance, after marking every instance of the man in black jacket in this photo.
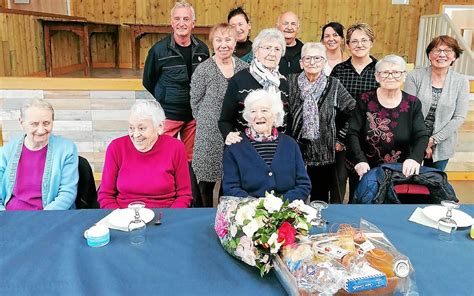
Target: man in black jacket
(167, 74)
(289, 24)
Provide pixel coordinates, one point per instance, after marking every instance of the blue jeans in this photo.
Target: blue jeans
(440, 164)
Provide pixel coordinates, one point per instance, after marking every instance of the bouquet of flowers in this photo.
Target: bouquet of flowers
(253, 230)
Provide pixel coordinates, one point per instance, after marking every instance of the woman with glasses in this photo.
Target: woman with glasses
(332, 36)
(444, 95)
(315, 101)
(268, 48)
(357, 74)
(387, 125)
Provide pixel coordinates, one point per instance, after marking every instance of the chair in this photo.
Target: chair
(412, 193)
(86, 190)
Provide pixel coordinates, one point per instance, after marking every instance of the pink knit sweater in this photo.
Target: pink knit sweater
(159, 177)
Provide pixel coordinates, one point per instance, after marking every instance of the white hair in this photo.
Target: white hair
(274, 98)
(149, 110)
(391, 59)
(181, 4)
(270, 34)
(37, 103)
(314, 45)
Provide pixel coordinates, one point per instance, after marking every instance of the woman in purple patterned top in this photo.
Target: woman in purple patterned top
(387, 124)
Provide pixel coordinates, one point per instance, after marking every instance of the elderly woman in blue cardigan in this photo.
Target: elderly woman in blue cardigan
(38, 171)
(265, 160)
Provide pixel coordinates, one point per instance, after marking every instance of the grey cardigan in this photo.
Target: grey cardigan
(451, 110)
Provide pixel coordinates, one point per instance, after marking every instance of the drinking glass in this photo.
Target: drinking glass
(448, 223)
(319, 222)
(137, 226)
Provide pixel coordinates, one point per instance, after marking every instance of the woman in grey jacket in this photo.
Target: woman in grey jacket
(315, 101)
(444, 95)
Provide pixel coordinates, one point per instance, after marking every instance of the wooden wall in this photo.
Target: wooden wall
(396, 27)
(49, 6)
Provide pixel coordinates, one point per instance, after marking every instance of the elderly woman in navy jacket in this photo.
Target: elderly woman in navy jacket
(265, 160)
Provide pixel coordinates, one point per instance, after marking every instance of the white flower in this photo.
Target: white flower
(245, 250)
(272, 203)
(274, 244)
(260, 222)
(298, 204)
(250, 228)
(302, 226)
(245, 213)
(233, 230)
(310, 213)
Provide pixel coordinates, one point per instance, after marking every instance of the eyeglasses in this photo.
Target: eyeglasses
(446, 51)
(316, 59)
(268, 49)
(395, 74)
(356, 42)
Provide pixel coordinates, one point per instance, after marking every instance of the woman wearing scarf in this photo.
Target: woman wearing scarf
(315, 101)
(268, 48)
(264, 160)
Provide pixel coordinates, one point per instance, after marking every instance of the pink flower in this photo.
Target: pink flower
(372, 106)
(395, 114)
(383, 113)
(404, 106)
(221, 225)
(286, 234)
(364, 97)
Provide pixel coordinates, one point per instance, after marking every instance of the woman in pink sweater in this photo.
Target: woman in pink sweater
(145, 165)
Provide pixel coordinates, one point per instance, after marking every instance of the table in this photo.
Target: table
(137, 31)
(84, 29)
(44, 253)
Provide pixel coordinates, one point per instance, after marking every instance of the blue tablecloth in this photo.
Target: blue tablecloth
(44, 253)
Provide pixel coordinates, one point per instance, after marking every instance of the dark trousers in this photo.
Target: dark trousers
(197, 201)
(324, 183)
(206, 190)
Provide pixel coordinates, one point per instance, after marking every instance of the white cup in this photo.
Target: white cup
(97, 236)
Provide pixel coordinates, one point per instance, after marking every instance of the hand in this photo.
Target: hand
(431, 142)
(410, 167)
(362, 168)
(232, 138)
(428, 153)
(340, 147)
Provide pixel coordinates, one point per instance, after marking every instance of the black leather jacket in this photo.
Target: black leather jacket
(166, 76)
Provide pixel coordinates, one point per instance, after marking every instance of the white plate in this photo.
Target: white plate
(437, 212)
(121, 218)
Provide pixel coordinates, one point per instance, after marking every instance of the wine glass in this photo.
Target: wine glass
(319, 221)
(447, 225)
(137, 226)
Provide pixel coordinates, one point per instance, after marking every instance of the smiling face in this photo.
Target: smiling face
(312, 62)
(269, 54)
(142, 132)
(390, 76)
(223, 43)
(289, 25)
(182, 22)
(360, 44)
(242, 27)
(441, 56)
(331, 39)
(37, 124)
(261, 117)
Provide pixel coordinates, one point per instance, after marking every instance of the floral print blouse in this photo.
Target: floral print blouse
(384, 135)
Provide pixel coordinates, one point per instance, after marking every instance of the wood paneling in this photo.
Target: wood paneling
(396, 27)
(50, 6)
